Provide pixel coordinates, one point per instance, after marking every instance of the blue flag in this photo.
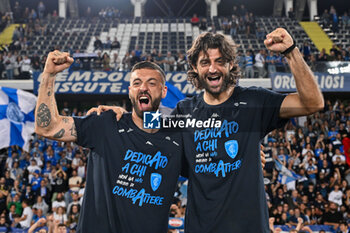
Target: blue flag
(173, 96)
(285, 175)
(16, 117)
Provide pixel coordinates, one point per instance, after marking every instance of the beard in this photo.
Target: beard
(203, 81)
(154, 104)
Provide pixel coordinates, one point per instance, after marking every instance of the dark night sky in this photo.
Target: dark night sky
(259, 7)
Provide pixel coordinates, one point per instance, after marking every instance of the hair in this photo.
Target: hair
(207, 41)
(148, 65)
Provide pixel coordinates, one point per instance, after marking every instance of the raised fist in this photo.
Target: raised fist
(57, 61)
(278, 41)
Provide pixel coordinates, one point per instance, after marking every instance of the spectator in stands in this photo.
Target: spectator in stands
(97, 44)
(106, 62)
(233, 26)
(325, 17)
(345, 19)
(203, 25)
(58, 202)
(159, 59)
(291, 13)
(249, 71)
(260, 63)
(270, 61)
(17, 12)
(332, 217)
(4, 224)
(35, 62)
(195, 20)
(9, 62)
(41, 204)
(169, 62)
(60, 215)
(306, 50)
(343, 228)
(38, 224)
(16, 202)
(108, 43)
(27, 214)
(41, 10)
(242, 10)
(115, 62)
(115, 44)
(181, 63)
(73, 217)
(323, 55)
(235, 10)
(37, 214)
(225, 25)
(134, 59)
(334, 19)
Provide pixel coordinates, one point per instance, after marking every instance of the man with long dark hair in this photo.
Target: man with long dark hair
(226, 191)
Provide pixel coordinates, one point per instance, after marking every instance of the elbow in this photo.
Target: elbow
(41, 131)
(316, 106)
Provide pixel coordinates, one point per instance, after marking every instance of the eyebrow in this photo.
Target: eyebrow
(207, 58)
(139, 79)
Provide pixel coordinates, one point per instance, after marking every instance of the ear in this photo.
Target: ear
(231, 64)
(194, 68)
(164, 92)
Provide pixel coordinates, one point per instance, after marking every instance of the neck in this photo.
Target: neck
(139, 123)
(218, 99)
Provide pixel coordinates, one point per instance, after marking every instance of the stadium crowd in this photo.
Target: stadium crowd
(48, 181)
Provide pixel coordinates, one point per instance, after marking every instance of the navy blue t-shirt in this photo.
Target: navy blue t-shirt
(131, 175)
(226, 189)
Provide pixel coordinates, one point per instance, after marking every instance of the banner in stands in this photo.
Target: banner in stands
(101, 82)
(284, 82)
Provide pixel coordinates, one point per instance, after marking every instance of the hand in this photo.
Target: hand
(278, 41)
(119, 111)
(41, 221)
(56, 62)
(300, 220)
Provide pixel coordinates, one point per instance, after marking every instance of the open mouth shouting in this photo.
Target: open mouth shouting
(214, 80)
(145, 102)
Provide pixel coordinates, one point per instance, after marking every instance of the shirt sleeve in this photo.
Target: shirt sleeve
(90, 129)
(271, 110)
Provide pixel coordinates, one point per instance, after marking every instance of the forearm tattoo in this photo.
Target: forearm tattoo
(43, 116)
(73, 131)
(59, 134)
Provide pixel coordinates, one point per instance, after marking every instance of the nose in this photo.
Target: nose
(144, 86)
(212, 68)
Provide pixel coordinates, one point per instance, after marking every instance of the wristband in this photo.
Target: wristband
(285, 52)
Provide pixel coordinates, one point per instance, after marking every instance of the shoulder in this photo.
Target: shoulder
(188, 103)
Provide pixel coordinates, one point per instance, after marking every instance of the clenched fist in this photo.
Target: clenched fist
(278, 41)
(56, 62)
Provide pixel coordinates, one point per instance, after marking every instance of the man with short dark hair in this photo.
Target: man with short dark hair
(132, 171)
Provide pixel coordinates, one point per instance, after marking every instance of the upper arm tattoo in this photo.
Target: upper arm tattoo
(43, 116)
(59, 134)
(73, 131)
